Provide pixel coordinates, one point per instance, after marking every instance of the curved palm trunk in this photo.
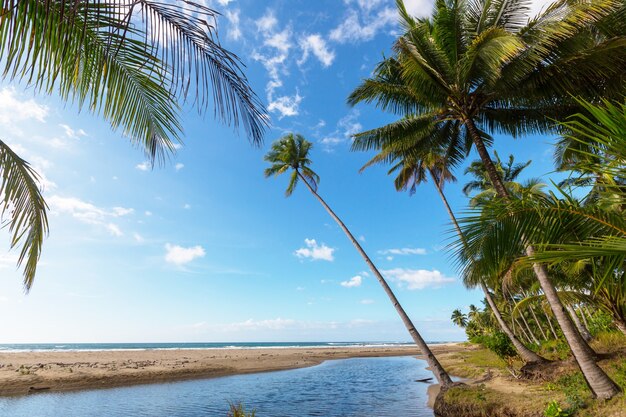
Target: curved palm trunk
(529, 332)
(543, 333)
(581, 328)
(600, 384)
(556, 337)
(584, 317)
(442, 376)
(526, 354)
(621, 325)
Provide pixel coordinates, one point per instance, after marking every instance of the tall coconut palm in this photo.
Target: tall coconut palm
(412, 168)
(291, 153)
(459, 318)
(484, 66)
(129, 61)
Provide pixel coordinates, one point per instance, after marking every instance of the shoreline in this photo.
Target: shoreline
(23, 373)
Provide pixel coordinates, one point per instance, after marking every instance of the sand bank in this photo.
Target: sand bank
(28, 372)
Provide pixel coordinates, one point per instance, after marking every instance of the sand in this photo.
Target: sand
(28, 372)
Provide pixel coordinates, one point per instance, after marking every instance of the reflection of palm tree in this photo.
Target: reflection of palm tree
(459, 74)
(291, 153)
(129, 61)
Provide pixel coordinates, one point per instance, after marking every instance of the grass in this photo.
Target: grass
(499, 394)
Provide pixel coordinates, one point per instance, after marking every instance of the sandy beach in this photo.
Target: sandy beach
(28, 372)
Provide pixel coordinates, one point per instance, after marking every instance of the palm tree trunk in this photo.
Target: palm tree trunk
(442, 376)
(530, 332)
(526, 354)
(582, 315)
(599, 382)
(523, 331)
(620, 324)
(556, 337)
(581, 328)
(543, 333)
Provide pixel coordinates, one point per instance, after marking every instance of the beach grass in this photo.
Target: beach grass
(492, 390)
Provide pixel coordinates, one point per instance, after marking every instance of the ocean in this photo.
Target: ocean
(38, 347)
(357, 387)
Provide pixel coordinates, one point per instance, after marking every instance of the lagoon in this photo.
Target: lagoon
(382, 387)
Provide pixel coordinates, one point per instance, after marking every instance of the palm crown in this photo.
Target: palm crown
(291, 152)
(478, 66)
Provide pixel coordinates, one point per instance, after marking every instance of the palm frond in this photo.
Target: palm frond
(26, 209)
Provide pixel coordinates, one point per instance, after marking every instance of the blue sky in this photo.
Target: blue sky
(205, 248)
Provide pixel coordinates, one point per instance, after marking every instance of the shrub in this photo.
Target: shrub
(239, 411)
(500, 344)
(554, 410)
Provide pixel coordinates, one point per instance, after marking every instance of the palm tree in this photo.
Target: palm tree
(291, 153)
(481, 66)
(412, 169)
(129, 61)
(459, 318)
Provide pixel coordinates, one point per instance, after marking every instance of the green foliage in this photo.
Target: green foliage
(499, 344)
(600, 322)
(555, 349)
(131, 62)
(239, 411)
(619, 373)
(21, 199)
(291, 153)
(554, 410)
(573, 386)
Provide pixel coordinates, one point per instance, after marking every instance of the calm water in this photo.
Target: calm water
(372, 387)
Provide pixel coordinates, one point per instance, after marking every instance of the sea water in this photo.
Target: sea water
(40, 347)
(357, 387)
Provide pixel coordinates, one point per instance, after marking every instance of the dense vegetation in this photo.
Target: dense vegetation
(548, 257)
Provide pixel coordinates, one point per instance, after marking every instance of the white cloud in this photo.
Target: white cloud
(234, 31)
(88, 213)
(144, 166)
(315, 252)
(187, 206)
(138, 238)
(179, 255)
(8, 260)
(122, 211)
(419, 8)
(179, 166)
(13, 110)
(417, 279)
(355, 281)
(367, 301)
(273, 54)
(147, 213)
(280, 41)
(266, 23)
(114, 230)
(285, 105)
(71, 133)
(403, 251)
(363, 24)
(345, 128)
(224, 2)
(317, 45)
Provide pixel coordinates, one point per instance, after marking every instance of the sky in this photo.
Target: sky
(204, 248)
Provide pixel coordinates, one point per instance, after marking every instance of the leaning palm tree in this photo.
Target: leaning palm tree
(129, 61)
(291, 153)
(412, 169)
(479, 66)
